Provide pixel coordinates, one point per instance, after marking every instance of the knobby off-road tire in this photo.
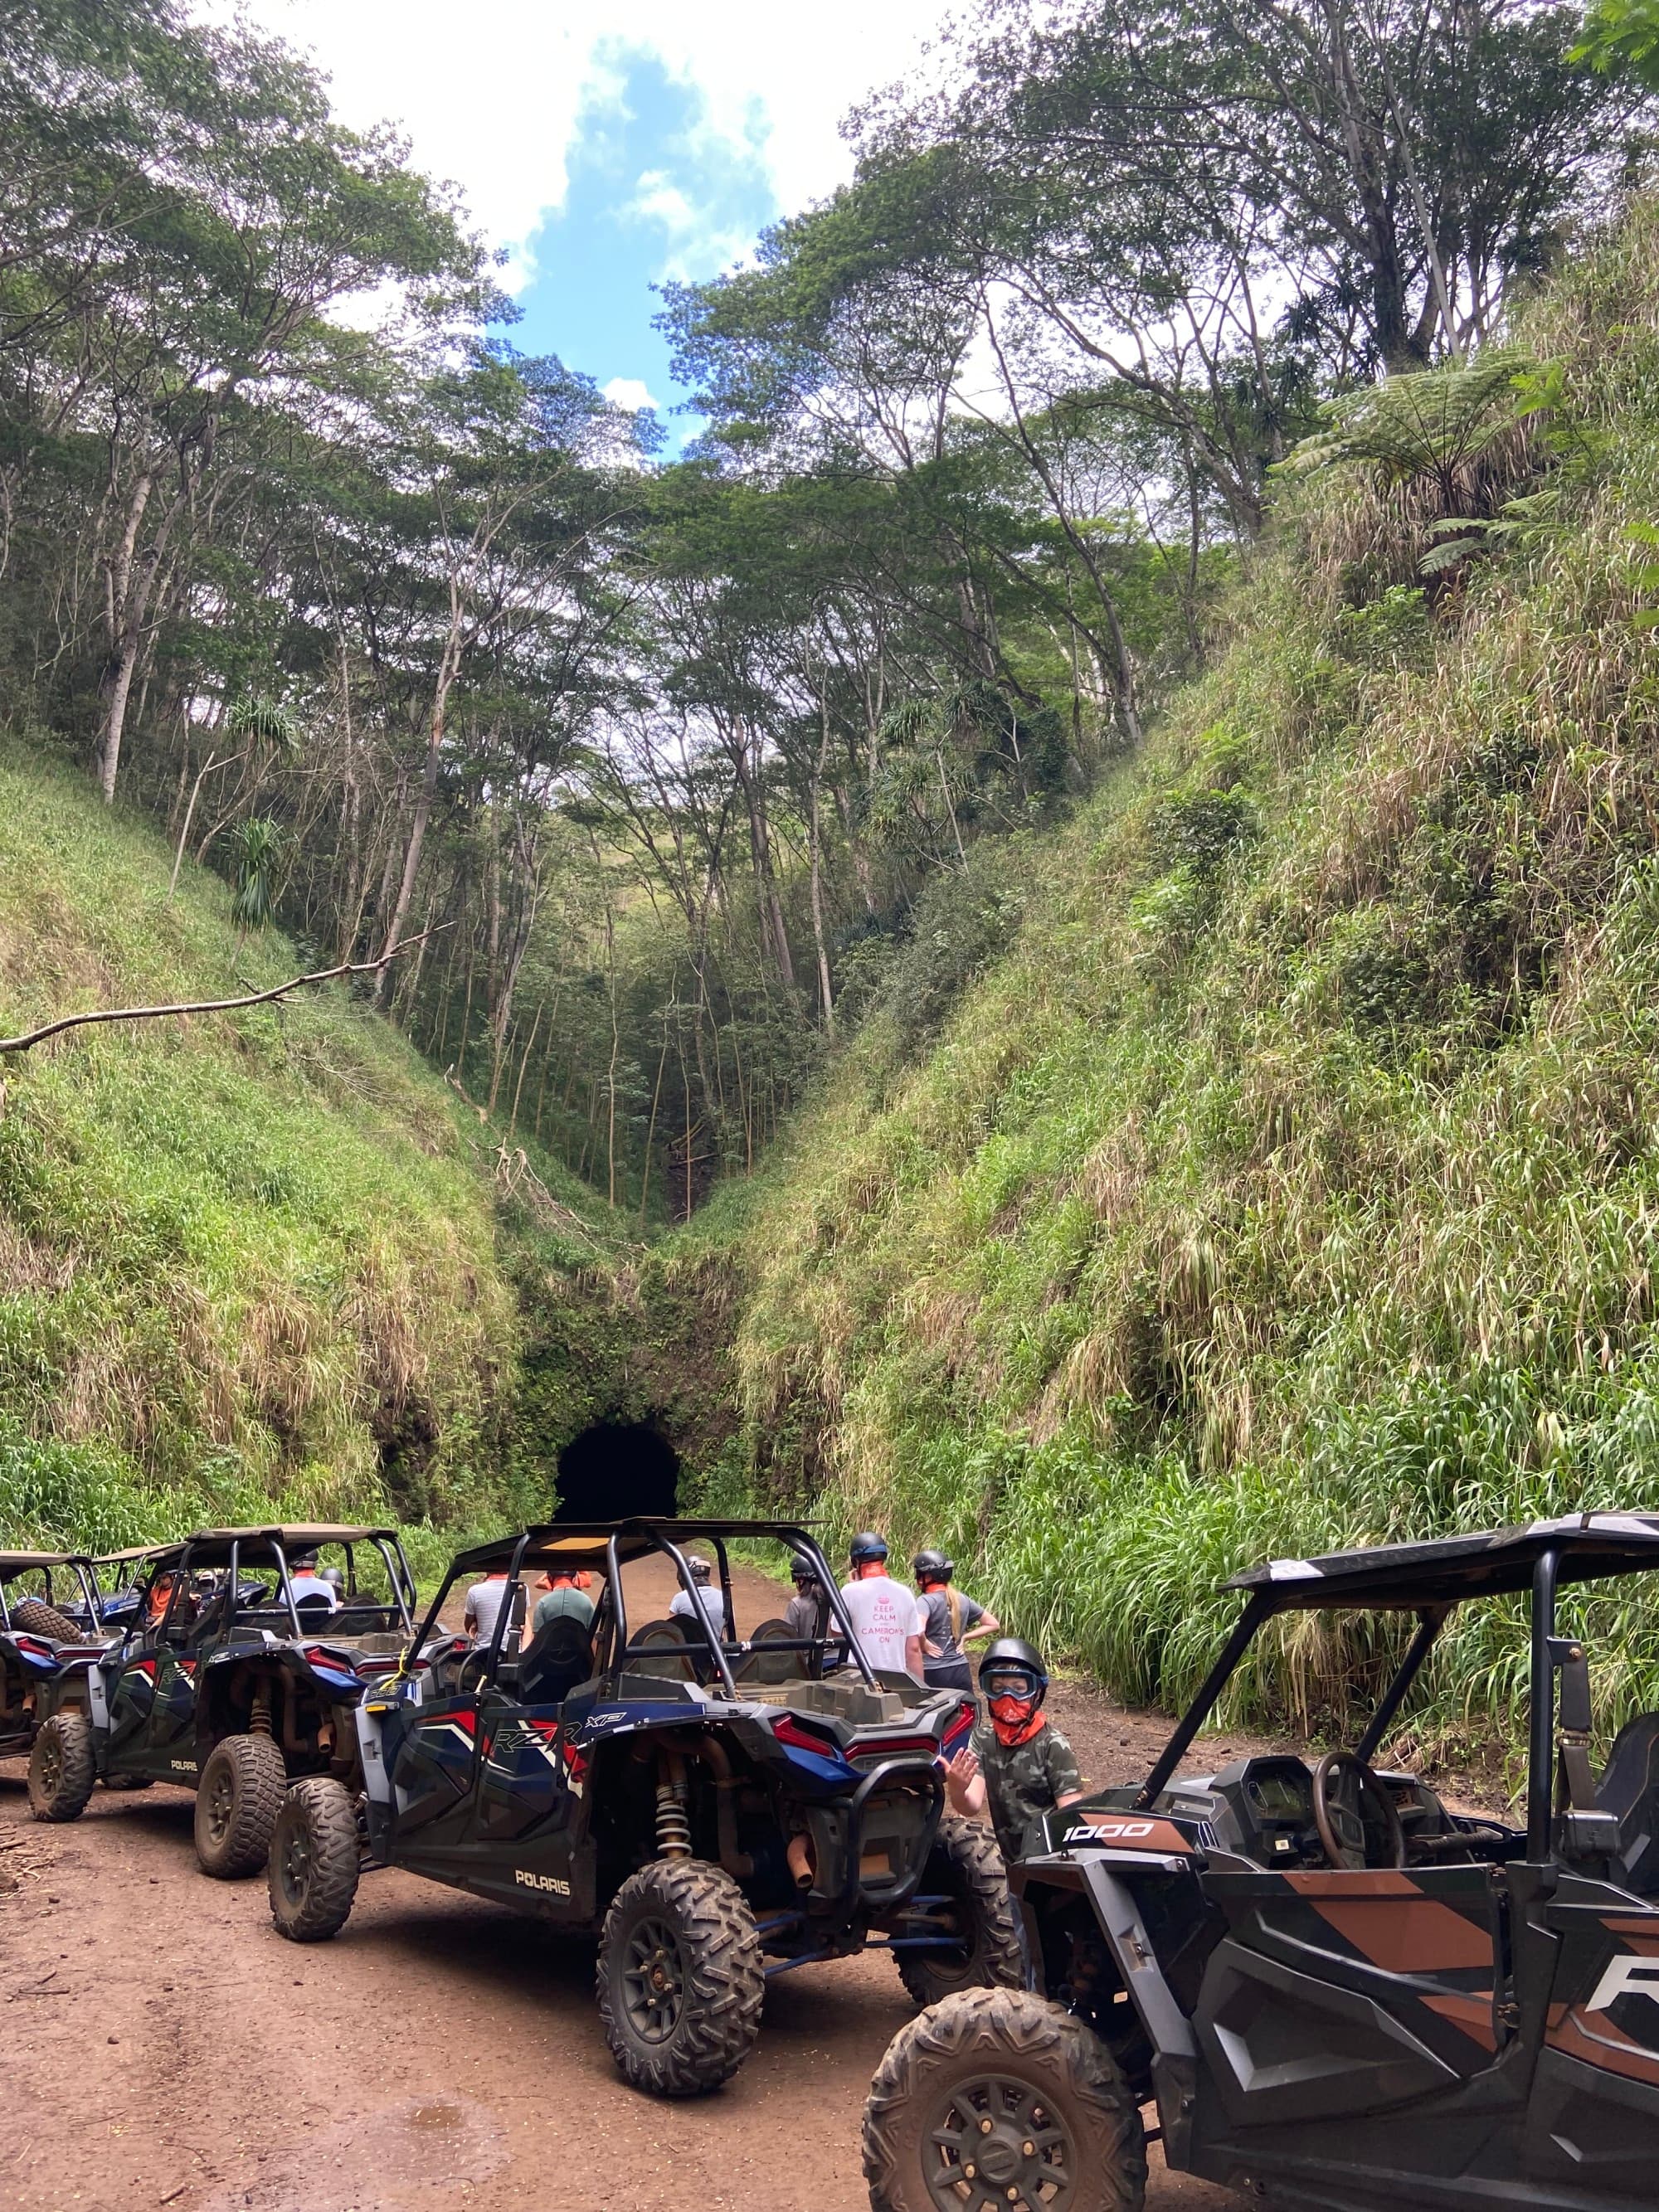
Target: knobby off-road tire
(61, 1768)
(966, 1866)
(313, 1863)
(237, 1801)
(35, 1619)
(680, 1980)
(1065, 2134)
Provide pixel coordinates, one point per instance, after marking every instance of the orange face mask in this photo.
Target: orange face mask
(1016, 1720)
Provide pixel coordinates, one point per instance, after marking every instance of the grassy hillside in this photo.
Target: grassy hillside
(1292, 1180)
(248, 1262)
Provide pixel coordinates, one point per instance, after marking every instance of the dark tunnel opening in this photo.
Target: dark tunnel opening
(615, 1469)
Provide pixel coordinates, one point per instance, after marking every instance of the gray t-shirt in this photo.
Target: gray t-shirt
(800, 1616)
(938, 1633)
(682, 1609)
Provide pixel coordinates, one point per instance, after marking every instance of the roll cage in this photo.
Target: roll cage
(608, 1546)
(14, 1565)
(1428, 1580)
(231, 1556)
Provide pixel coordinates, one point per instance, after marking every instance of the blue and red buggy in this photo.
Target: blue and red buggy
(232, 1674)
(719, 1807)
(47, 1601)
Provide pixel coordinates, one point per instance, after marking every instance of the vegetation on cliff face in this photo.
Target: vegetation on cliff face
(249, 1263)
(1292, 1179)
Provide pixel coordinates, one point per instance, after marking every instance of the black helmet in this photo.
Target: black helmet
(699, 1568)
(867, 1545)
(1011, 1657)
(802, 1571)
(932, 1567)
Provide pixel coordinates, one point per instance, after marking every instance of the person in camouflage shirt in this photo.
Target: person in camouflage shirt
(1017, 1765)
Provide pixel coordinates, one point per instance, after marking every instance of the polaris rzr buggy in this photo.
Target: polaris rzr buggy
(119, 1579)
(224, 1682)
(46, 1598)
(1337, 1993)
(717, 1810)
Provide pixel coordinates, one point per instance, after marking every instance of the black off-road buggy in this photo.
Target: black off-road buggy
(717, 1810)
(1339, 1994)
(223, 1681)
(118, 1580)
(46, 1601)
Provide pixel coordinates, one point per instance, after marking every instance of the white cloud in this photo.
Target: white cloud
(630, 393)
(656, 199)
(492, 98)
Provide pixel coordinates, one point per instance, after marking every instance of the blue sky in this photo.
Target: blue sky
(651, 193)
(603, 150)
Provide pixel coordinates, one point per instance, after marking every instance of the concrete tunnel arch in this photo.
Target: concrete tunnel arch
(614, 1469)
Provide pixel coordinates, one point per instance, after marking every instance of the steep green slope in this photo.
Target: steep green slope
(248, 1262)
(1293, 1181)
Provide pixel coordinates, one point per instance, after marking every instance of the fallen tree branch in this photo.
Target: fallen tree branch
(515, 1177)
(216, 1006)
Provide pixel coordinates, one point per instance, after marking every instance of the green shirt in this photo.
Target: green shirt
(567, 1598)
(1023, 1781)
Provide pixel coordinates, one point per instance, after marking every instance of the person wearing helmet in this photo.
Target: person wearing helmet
(952, 1621)
(305, 1581)
(1017, 1766)
(805, 1611)
(564, 1597)
(887, 1619)
(683, 1608)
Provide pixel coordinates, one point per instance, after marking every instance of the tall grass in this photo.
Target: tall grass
(248, 1263)
(1293, 1181)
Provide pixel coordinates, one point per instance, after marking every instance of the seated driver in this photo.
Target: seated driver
(566, 1599)
(683, 1608)
(305, 1581)
(1016, 1764)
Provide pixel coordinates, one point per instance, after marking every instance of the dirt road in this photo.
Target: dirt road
(163, 2047)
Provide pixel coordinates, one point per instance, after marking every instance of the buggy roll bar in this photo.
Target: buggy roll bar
(76, 1563)
(1540, 1759)
(1429, 1624)
(1198, 1711)
(798, 1539)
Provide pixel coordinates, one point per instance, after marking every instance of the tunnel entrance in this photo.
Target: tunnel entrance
(617, 1468)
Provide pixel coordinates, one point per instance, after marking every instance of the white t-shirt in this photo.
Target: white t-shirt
(308, 1585)
(483, 1601)
(883, 1615)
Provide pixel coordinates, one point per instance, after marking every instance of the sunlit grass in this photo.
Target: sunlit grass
(1292, 1181)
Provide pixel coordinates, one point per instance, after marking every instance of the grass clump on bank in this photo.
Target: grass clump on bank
(249, 1264)
(1293, 1181)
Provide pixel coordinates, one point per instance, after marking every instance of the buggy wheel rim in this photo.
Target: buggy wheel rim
(996, 2140)
(295, 1864)
(221, 1805)
(52, 1762)
(653, 1981)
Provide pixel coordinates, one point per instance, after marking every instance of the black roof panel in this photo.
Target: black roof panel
(1448, 1569)
(579, 1542)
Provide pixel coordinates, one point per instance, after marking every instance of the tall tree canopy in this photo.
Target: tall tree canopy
(679, 768)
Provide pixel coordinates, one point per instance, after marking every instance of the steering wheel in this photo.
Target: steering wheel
(1341, 1785)
(478, 1660)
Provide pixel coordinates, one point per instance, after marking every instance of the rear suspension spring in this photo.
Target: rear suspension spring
(673, 1824)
